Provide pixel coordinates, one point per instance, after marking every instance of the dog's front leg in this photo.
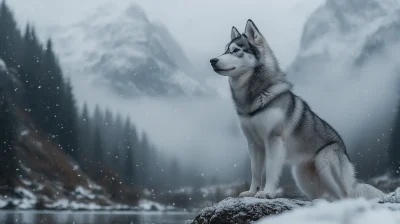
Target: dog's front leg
(257, 155)
(275, 158)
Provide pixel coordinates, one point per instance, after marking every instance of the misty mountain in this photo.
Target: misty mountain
(348, 51)
(346, 32)
(123, 50)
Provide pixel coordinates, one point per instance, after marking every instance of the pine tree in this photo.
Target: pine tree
(394, 149)
(98, 119)
(108, 133)
(97, 143)
(97, 147)
(46, 96)
(10, 37)
(31, 72)
(129, 164)
(129, 149)
(85, 132)
(8, 160)
(28, 63)
(153, 168)
(68, 133)
(144, 151)
(118, 144)
(52, 83)
(175, 171)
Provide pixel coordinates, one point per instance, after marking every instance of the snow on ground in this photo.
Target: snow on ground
(24, 132)
(83, 192)
(3, 67)
(25, 182)
(228, 190)
(65, 204)
(143, 205)
(28, 199)
(147, 205)
(349, 211)
(93, 185)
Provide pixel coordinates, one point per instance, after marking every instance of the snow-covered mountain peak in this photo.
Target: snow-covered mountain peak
(341, 27)
(122, 49)
(136, 12)
(361, 7)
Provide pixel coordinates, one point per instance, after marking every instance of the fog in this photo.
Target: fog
(360, 103)
(200, 26)
(205, 131)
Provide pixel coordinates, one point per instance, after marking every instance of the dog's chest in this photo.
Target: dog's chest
(257, 128)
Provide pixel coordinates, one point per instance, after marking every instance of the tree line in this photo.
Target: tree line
(97, 140)
(47, 93)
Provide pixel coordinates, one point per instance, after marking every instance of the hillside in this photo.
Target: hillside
(46, 177)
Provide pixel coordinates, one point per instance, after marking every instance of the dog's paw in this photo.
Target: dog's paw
(247, 194)
(265, 194)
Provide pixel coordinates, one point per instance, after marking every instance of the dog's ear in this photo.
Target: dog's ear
(234, 33)
(252, 33)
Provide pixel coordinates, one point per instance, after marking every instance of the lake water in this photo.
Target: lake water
(65, 217)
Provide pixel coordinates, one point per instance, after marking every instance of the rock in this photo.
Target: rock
(245, 210)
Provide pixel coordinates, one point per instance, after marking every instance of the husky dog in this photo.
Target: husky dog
(279, 126)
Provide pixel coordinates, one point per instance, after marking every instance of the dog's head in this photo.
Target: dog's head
(244, 53)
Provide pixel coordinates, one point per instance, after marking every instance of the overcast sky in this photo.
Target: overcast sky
(202, 27)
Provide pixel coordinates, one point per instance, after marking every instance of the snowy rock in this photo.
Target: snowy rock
(27, 199)
(3, 67)
(83, 192)
(350, 211)
(264, 211)
(244, 210)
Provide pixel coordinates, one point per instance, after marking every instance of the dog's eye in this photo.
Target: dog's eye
(236, 50)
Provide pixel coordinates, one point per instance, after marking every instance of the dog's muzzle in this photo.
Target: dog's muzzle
(213, 61)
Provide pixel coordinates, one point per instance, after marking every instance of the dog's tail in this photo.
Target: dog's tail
(366, 191)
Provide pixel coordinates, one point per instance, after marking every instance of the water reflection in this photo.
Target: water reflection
(34, 217)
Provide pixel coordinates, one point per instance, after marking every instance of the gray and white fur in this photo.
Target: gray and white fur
(280, 127)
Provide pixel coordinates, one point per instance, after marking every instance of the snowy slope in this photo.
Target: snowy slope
(122, 49)
(52, 176)
(351, 211)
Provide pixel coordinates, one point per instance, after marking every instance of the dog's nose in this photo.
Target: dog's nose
(213, 61)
